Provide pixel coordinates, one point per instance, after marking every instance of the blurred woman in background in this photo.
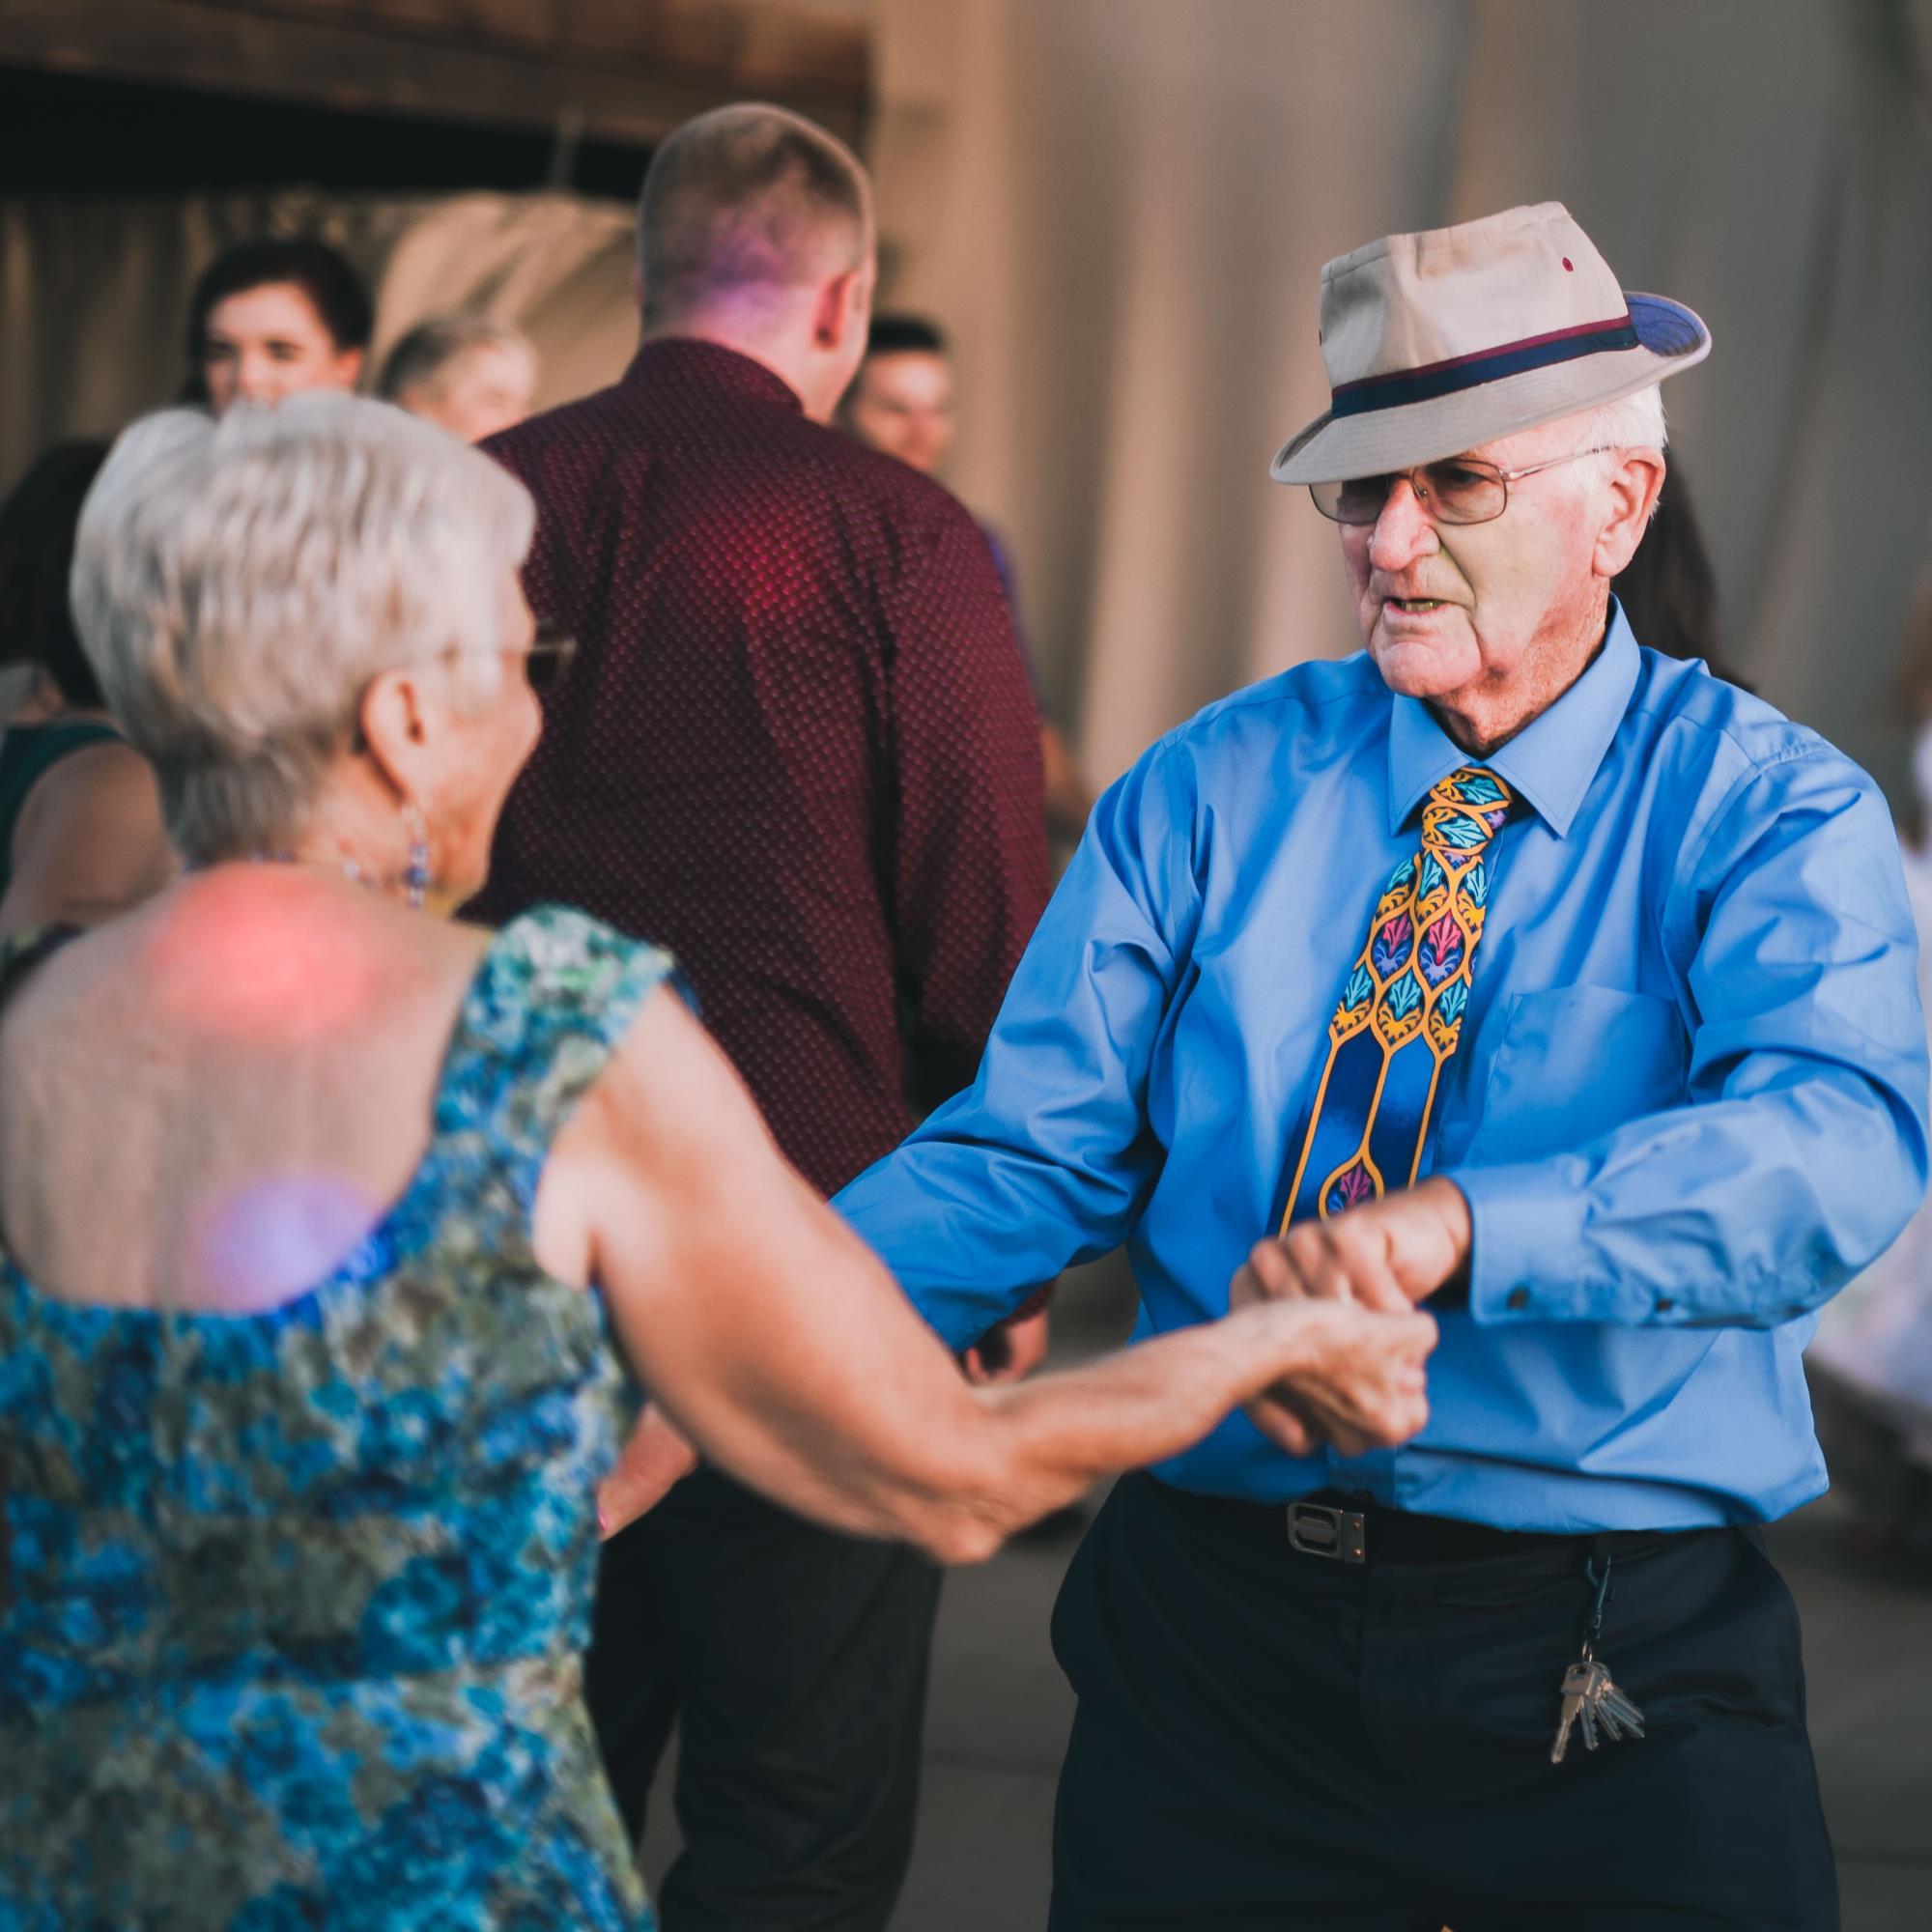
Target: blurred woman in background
(1669, 589)
(302, 1397)
(271, 317)
(80, 819)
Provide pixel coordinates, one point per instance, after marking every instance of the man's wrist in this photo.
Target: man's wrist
(1451, 1207)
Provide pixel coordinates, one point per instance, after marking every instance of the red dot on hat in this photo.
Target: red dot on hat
(1568, 264)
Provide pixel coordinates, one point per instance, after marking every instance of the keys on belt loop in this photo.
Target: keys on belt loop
(1316, 1529)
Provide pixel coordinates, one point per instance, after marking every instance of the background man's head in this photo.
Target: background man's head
(468, 372)
(901, 401)
(754, 229)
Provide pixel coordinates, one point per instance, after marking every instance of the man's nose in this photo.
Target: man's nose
(1401, 532)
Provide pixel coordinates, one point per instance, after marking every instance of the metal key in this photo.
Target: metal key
(1593, 1702)
(1615, 1712)
(1579, 1686)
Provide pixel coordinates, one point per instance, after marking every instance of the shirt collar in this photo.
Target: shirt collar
(1549, 762)
(691, 359)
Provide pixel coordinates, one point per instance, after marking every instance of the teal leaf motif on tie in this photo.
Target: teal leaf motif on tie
(1462, 832)
(1360, 985)
(1455, 996)
(1479, 788)
(1405, 996)
(1400, 876)
(1476, 884)
(1432, 876)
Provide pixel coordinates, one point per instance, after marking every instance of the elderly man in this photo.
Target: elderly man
(1511, 968)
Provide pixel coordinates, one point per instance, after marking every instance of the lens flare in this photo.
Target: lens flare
(279, 1235)
(259, 954)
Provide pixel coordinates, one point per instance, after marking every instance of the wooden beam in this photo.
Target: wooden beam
(631, 70)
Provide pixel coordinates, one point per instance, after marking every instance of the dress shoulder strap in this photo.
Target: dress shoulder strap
(30, 751)
(555, 993)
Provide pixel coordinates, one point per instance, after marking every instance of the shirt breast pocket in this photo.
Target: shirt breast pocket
(1574, 1063)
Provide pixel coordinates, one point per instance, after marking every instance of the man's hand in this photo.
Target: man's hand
(1014, 1349)
(655, 1457)
(1388, 1255)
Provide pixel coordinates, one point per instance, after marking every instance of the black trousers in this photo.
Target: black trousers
(1266, 1740)
(794, 1664)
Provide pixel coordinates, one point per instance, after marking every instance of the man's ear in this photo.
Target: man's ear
(348, 366)
(1634, 484)
(395, 731)
(839, 308)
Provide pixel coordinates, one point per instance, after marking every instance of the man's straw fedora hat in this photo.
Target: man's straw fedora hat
(1438, 342)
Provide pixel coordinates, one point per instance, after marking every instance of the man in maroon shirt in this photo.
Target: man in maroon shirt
(798, 747)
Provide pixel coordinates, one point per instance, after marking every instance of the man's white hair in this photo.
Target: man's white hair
(239, 585)
(1630, 423)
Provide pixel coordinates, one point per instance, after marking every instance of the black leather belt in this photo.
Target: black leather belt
(1334, 1526)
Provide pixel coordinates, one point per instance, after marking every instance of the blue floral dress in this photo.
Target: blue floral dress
(298, 1601)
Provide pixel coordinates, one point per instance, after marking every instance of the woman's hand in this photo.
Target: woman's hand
(653, 1460)
(1354, 1377)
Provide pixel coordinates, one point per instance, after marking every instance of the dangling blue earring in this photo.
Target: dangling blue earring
(416, 879)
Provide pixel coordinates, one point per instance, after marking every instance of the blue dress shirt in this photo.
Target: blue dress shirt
(1689, 1103)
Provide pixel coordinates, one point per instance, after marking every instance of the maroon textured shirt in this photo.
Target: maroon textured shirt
(797, 746)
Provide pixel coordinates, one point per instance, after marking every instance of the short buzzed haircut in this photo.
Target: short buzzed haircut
(428, 350)
(743, 204)
(899, 334)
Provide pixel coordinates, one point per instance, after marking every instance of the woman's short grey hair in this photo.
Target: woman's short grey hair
(239, 585)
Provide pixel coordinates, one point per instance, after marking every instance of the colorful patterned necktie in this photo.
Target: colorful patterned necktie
(1401, 1014)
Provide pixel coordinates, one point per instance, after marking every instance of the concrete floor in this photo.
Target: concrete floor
(1000, 1712)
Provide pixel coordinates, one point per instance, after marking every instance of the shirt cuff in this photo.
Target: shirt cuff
(1528, 1257)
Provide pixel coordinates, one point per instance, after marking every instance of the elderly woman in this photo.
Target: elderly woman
(335, 1231)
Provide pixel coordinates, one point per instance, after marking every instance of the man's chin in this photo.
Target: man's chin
(1413, 667)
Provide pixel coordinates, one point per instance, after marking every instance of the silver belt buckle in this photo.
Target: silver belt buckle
(1318, 1530)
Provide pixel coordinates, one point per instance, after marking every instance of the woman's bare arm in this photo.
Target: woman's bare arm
(774, 1339)
(90, 842)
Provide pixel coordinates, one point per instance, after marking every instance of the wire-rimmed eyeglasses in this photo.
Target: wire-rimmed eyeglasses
(1453, 489)
(549, 656)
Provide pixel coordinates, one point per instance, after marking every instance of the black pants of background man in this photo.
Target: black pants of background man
(1269, 1741)
(794, 1664)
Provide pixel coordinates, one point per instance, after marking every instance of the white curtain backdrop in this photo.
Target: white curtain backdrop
(1121, 208)
(94, 291)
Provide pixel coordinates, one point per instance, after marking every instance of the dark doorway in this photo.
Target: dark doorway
(63, 133)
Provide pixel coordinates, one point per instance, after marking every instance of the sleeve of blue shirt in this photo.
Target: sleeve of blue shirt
(1801, 1149)
(1045, 1159)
